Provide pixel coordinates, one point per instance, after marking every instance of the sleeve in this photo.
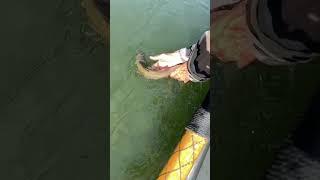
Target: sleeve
(199, 59)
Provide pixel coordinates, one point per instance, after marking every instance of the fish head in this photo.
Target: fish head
(140, 56)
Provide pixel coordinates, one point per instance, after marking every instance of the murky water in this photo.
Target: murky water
(148, 117)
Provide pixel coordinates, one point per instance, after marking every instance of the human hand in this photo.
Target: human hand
(176, 58)
(170, 59)
(181, 73)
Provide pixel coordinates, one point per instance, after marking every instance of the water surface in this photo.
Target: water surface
(147, 118)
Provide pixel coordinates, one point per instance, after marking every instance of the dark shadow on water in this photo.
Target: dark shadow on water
(173, 119)
(53, 93)
(255, 110)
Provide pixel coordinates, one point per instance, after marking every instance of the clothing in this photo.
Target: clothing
(279, 41)
(300, 157)
(287, 33)
(293, 164)
(198, 57)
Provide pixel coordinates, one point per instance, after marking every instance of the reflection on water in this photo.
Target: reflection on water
(148, 117)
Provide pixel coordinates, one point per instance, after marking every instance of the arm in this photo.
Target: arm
(195, 60)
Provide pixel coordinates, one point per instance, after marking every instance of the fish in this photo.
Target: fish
(152, 72)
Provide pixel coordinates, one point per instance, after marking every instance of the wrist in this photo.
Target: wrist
(184, 55)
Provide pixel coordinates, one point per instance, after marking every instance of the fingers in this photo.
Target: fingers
(181, 74)
(174, 75)
(180, 78)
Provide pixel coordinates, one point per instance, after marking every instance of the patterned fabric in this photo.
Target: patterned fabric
(294, 164)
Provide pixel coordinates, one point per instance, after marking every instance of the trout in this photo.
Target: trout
(152, 72)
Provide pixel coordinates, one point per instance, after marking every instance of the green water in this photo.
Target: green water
(147, 118)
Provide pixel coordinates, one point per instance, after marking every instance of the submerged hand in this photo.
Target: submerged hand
(174, 59)
(181, 73)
